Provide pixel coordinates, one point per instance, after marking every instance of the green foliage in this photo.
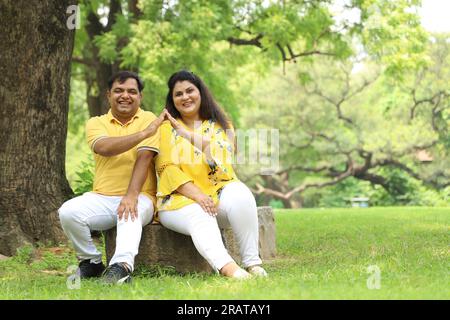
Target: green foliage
(85, 175)
(392, 33)
(404, 190)
(78, 109)
(339, 195)
(182, 35)
(334, 113)
(195, 35)
(276, 204)
(107, 46)
(24, 254)
(50, 261)
(155, 270)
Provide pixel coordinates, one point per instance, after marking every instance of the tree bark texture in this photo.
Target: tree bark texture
(35, 54)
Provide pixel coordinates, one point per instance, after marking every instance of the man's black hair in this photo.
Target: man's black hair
(122, 76)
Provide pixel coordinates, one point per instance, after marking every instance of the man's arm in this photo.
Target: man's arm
(128, 205)
(112, 146)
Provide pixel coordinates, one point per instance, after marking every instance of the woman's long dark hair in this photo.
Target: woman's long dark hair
(209, 109)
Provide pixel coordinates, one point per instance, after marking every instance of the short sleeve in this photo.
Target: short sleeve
(169, 171)
(151, 143)
(171, 178)
(95, 131)
(222, 150)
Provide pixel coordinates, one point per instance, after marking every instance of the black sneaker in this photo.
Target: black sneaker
(116, 273)
(88, 269)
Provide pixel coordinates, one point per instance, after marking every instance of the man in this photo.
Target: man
(126, 133)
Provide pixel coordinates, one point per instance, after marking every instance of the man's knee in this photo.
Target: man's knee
(145, 210)
(67, 213)
(142, 219)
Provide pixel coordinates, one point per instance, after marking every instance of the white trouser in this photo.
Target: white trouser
(93, 211)
(237, 208)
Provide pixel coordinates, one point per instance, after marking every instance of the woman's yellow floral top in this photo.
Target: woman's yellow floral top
(179, 162)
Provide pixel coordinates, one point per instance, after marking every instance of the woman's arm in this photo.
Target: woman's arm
(212, 154)
(197, 140)
(193, 192)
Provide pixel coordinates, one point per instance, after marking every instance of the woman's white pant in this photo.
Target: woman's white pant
(93, 211)
(237, 208)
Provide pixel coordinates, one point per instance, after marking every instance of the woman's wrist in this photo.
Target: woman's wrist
(185, 134)
(205, 145)
(197, 196)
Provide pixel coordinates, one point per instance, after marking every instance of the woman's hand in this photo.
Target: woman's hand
(190, 190)
(178, 127)
(197, 140)
(207, 204)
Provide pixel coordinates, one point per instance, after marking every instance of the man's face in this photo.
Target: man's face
(124, 98)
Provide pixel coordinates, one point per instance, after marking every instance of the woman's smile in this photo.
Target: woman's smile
(186, 98)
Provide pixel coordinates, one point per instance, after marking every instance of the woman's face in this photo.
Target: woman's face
(186, 98)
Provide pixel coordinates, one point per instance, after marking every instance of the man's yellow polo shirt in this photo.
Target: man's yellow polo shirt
(113, 174)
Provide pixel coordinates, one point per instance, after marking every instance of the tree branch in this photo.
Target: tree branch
(247, 42)
(417, 102)
(306, 169)
(303, 187)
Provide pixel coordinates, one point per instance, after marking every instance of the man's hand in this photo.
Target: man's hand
(207, 204)
(128, 207)
(153, 127)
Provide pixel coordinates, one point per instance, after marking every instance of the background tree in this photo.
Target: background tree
(158, 37)
(340, 123)
(36, 48)
(103, 22)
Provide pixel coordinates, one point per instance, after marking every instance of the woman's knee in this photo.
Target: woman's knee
(190, 219)
(238, 198)
(239, 192)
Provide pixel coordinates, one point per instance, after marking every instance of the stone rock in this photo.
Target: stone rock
(161, 246)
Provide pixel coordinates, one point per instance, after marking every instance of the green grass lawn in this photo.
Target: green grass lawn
(322, 254)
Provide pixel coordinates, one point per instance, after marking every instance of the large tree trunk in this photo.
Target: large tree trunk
(36, 48)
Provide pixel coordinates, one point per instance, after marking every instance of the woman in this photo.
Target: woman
(198, 190)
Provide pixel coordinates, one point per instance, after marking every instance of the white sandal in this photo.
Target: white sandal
(241, 274)
(257, 271)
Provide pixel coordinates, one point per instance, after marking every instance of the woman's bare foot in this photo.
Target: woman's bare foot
(229, 269)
